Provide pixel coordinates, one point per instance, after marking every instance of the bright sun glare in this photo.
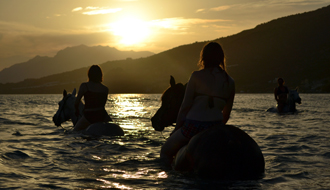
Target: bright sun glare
(131, 31)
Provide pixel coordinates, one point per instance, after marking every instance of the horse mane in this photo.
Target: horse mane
(177, 86)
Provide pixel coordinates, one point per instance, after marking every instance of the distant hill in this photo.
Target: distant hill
(295, 47)
(9, 61)
(65, 60)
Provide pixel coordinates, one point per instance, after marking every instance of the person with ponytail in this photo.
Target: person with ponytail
(95, 95)
(207, 102)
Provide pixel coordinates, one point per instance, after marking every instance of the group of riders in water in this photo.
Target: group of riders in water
(201, 141)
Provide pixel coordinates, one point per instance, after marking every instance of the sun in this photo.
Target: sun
(131, 31)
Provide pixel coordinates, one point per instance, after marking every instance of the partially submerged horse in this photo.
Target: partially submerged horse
(220, 152)
(290, 106)
(66, 112)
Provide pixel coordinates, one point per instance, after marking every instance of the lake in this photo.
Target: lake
(35, 154)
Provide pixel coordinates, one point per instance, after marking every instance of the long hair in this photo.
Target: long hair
(95, 74)
(212, 55)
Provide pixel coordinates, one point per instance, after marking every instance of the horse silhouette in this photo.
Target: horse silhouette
(66, 112)
(290, 106)
(221, 152)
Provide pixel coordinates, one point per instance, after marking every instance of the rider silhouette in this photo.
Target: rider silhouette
(281, 94)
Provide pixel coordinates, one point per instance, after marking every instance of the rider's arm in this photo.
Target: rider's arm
(81, 92)
(228, 107)
(276, 98)
(186, 103)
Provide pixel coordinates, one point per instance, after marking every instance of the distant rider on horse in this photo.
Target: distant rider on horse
(281, 94)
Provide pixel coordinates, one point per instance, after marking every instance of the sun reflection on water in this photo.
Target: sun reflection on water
(112, 185)
(142, 173)
(125, 107)
(162, 175)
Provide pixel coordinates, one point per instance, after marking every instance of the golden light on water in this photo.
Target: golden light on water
(142, 173)
(126, 107)
(112, 185)
(162, 175)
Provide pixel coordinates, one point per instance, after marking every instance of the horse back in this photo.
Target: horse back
(223, 152)
(104, 129)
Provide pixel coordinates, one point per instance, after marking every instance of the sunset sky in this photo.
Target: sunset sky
(43, 27)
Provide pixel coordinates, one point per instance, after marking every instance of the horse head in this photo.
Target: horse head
(66, 110)
(171, 99)
(294, 96)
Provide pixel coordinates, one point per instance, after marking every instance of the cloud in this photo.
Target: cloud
(179, 23)
(77, 9)
(48, 44)
(265, 5)
(102, 11)
(29, 41)
(200, 10)
(295, 2)
(96, 10)
(220, 8)
(15, 28)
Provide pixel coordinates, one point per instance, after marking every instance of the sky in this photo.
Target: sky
(43, 27)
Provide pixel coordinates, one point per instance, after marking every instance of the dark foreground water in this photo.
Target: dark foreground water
(35, 154)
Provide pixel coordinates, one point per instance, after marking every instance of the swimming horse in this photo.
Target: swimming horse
(290, 106)
(66, 111)
(221, 152)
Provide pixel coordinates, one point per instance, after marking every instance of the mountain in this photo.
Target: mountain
(65, 60)
(295, 47)
(8, 61)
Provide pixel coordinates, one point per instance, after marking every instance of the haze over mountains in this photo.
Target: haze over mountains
(295, 47)
(66, 60)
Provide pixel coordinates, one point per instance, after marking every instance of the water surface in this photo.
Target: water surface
(35, 154)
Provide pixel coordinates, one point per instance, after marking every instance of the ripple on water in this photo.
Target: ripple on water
(326, 155)
(15, 155)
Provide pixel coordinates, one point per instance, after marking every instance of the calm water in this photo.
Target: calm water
(35, 154)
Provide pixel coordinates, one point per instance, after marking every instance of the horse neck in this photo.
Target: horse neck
(291, 103)
(73, 116)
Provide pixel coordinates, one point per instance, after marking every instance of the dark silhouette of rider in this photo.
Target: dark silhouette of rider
(95, 95)
(208, 101)
(281, 94)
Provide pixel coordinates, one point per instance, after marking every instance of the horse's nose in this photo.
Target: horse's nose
(153, 119)
(156, 123)
(55, 121)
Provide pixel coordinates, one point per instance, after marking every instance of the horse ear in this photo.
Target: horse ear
(172, 81)
(64, 93)
(74, 92)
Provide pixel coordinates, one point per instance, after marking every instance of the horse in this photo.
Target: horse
(221, 152)
(66, 112)
(290, 105)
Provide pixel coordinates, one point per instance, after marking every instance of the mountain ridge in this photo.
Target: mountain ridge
(295, 47)
(67, 59)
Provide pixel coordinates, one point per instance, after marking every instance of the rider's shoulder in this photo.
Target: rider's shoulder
(230, 79)
(83, 85)
(106, 89)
